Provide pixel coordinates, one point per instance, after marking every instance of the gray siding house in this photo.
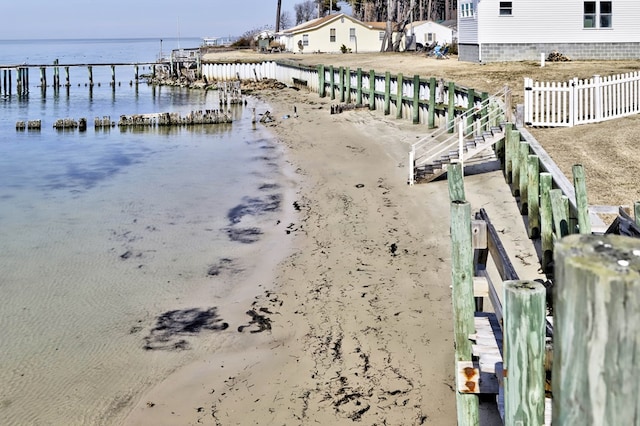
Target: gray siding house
(517, 30)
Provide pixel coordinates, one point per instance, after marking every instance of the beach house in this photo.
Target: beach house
(428, 32)
(494, 30)
(333, 34)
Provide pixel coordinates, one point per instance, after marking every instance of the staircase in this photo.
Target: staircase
(470, 138)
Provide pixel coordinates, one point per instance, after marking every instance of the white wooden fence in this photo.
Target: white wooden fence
(581, 101)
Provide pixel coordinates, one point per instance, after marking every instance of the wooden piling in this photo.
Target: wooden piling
(524, 176)
(546, 220)
(347, 85)
(322, 90)
(455, 180)
(399, 93)
(582, 206)
(67, 81)
(90, 70)
(471, 106)
(387, 93)
(332, 82)
(636, 212)
(560, 214)
(524, 352)
(359, 86)
(341, 83)
(416, 99)
(431, 115)
(451, 110)
(596, 339)
(372, 90)
(533, 201)
(463, 303)
(514, 136)
(113, 76)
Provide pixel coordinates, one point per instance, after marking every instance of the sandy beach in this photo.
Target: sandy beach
(359, 314)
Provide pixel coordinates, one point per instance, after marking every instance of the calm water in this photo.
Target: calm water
(118, 248)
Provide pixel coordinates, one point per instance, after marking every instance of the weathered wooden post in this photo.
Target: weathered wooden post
(582, 206)
(56, 73)
(43, 77)
(636, 212)
(560, 213)
(359, 86)
(533, 202)
(451, 108)
(399, 81)
(18, 82)
(463, 303)
(455, 179)
(524, 176)
(416, 99)
(387, 93)
(332, 77)
(546, 220)
(514, 136)
(431, 115)
(471, 106)
(113, 76)
(372, 90)
(341, 83)
(90, 69)
(524, 352)
(67, 81)
(9, 82)
(135, 73)
(347, 77)
(322, 90)
(596, 338)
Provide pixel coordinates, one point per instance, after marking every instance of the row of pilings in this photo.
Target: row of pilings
(20, 76)
(200, 117)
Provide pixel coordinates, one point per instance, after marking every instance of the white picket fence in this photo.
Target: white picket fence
(578, 101)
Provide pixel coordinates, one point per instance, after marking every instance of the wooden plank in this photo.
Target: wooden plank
(480, 287)
(498, 252)
(479, 234)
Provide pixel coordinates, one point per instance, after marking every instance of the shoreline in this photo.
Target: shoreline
(361, 310)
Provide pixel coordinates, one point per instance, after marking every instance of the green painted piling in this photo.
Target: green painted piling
(636, 212)
(451, 108)
(515, 162)
(416, 99)
(582, 206)
(399, 93)
(341, 83)
(431, 116)
(455, 180)
(359, 86)
(332, 77)
(508, 153)
(347, 77)
(533, 201)
(463, 303)
(387, 93)
(560, 215)
(596, 331)
(546, 220)
(372, 90)
(524, 177)
(484, 113)
(322, 90)
(524, 344)
(471, 105)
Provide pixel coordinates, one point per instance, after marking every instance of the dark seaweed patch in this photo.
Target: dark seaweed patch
(244, 235)
(223, 264)
(172, 326)
(254, 207)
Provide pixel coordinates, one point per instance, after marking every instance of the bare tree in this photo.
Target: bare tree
(305, 11)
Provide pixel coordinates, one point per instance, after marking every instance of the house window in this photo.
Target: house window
(506, 8)
(598, 14)
(305, 39)
(352, 35)
(466, 10)
(332, 35)
(430, 37)
(381, 35)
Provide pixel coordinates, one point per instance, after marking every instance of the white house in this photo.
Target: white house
(330, 33)
(427, 32)
(494, 30)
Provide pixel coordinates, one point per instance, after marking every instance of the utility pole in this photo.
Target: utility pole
(278, 16)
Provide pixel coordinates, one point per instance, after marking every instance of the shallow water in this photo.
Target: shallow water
(120, 247)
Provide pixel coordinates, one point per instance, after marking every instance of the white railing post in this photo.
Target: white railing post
(597, 89)
(461, 144)
(573, 94)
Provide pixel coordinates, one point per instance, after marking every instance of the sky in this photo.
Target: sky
(54, 19)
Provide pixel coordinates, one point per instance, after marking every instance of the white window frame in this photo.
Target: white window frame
(305, 39)
(332, 35)
(596, 18)
(352, 35)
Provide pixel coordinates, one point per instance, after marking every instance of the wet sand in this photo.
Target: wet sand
(359, 315)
